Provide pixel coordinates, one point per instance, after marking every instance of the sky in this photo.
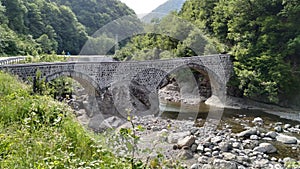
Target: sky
(143, 6)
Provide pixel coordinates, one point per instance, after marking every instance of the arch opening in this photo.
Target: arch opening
(188, 84)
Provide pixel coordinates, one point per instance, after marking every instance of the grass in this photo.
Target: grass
(39, 132)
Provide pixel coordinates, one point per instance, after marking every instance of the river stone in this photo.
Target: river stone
(111, 122)
(203, 159)
(215, 153)
(263, 163)
(278, 129)
(185, 154)
(194, 147)
(286, 139)
(187, 141)
(265, 148)
(271, 134)
(258, 120)
(218, 163)
(236, 145)
(267, 138)
(174, 137)
(195, 166)
(208, 154)
(225, 146)
(207, 166)
(216, 139)
(247, 133)
(207, 150)
(228, 156)
(286, 126)
(254, 137)
(288, 160)
(200, 148)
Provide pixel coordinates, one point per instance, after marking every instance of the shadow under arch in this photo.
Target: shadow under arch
(91, 87)
(215, 81)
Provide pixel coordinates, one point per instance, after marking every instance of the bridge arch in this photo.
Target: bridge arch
(215, 81)
(89, 84)
(145, 84)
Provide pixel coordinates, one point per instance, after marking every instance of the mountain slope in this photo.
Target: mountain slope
(46, 26)
(94, 14)
(164, 9)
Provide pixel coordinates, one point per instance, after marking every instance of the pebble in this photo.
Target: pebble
(286, 126)
(203, 159)
(254, 137)
(195, 166)
(258, 121)
(278, 129)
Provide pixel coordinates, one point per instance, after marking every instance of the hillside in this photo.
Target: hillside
(42, 26)
(164, 9)
(95, 14)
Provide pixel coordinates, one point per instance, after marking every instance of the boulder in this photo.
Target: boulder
(271, 134)
(207, 166)
(185, 154)
(203, 159)
(247, 133)
(200, 148)
(174, 137)
(111, 122)
(187, 141)
(258, 121)
(254, 137)
(278, 129)
(286, 139)
(216, 139)
(195, 166)
(225, 146)
(218, 163)
(286, 126)
(265, 148)
(229, 156)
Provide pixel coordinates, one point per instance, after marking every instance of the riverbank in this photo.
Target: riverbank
(239, 142)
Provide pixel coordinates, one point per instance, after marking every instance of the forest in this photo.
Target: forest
(31, 27)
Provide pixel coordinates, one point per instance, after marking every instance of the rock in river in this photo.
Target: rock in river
(265, 148)
(286, 139)
(247, 133)
(187, 141)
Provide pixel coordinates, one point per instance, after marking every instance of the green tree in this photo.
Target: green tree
(15, 12)
(263, 37)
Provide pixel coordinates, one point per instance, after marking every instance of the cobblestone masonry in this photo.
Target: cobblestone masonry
(149, 74)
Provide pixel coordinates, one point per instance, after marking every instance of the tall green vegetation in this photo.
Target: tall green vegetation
(94, 14)
(263, 37)
(40, 26)
(165, 38)
(39, 132)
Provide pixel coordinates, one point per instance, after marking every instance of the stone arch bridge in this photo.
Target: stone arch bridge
(99, 76)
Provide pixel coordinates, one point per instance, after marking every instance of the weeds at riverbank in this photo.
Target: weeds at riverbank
(39, 132)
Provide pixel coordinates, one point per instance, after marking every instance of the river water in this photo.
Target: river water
(172, 110)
